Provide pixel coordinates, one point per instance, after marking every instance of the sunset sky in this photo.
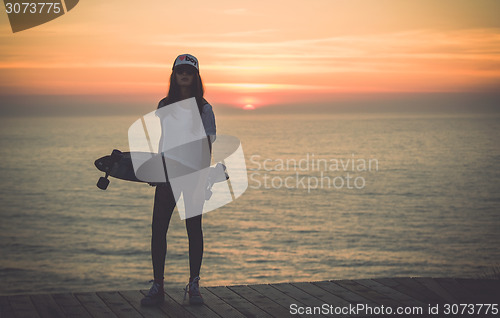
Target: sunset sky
(258, 53)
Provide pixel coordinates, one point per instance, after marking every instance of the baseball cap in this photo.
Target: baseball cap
(186, 59)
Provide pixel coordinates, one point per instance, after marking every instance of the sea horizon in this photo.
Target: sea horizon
(430, 208)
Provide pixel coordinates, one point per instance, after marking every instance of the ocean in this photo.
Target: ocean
(330, 196)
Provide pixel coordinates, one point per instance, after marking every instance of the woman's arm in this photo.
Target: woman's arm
(208, 119)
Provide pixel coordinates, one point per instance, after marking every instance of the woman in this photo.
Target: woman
(185, 83)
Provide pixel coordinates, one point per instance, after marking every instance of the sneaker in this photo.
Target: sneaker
(193, 288)
(155, 296)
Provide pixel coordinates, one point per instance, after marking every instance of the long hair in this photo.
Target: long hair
(173, 94)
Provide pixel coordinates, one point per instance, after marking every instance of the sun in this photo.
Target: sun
(249, 107)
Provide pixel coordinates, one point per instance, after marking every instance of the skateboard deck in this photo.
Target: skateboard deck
(119, 165)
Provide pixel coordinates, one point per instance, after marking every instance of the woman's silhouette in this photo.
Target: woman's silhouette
(185, 83)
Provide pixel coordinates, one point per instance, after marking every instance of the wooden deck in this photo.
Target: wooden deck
(268, 300)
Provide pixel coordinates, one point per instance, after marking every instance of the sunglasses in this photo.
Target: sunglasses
(189, 70)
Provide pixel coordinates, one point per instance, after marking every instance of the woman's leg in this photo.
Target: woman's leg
(194, 199)
(162, 212)
(164, 205)
(195, 236)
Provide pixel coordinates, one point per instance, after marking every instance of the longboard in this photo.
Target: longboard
(119, 165)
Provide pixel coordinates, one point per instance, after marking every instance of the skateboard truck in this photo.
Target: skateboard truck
(217, 174)
(104, 181)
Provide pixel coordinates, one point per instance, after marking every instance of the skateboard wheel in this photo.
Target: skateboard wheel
(103, 183)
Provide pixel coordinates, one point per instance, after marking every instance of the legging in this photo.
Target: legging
(164, 205)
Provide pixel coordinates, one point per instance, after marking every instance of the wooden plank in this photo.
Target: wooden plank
(177, 294)
(266, 300)
(241, 304)
(453, 287)
(368, 293)
(343, 293)
(432, 297)
(94, 305)
(70, 306)
(22, 306)
(483, 290)
(133, 297)
(5, 307)
(397, 285)
(300, 296)
(278, 297)
(46, 306)
(171, 307)
(118, 305)
(323, 295)
(437, 289)
(260, 301)
(390, 292)
(218, 305)
(320, 293)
